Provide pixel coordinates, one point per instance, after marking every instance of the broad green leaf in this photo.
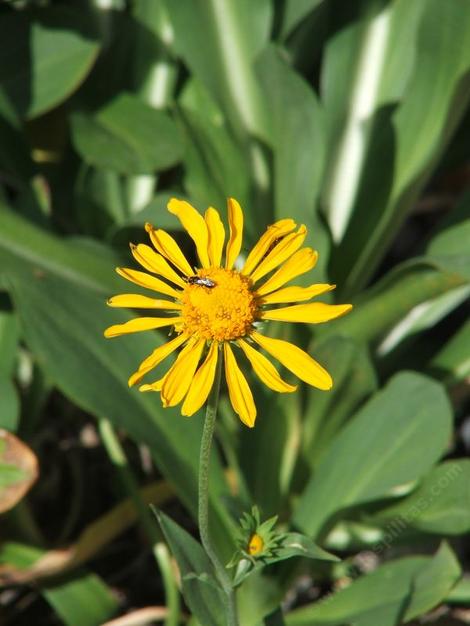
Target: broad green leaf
(45, 55)
(450, 243)
(440, 504)
(460, 594)
(452, 363)
(215, 168)
(18, 470)
(381, 307)
(298, 148)
(67, 340)
(294, 12)
(264, 451)
(201, 590)
(99, 200)
(218, 44)
(25, 248)
(10, 404)
(376, 450)
(9, 337)
(415, 135)
(395, 593)
(325, 413)
(82, 599)
(423, 316)
(258, 597)
(128, 136)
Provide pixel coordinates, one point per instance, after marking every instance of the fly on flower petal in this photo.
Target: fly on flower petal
(215, 309)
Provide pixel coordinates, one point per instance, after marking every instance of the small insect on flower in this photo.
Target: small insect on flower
(202, 282)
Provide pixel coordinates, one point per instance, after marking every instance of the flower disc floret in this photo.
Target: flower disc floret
(222, 312)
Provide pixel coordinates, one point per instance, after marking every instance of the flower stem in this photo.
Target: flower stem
(160, 551)
(203, 503)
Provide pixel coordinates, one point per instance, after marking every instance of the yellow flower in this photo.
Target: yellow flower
(215, 310)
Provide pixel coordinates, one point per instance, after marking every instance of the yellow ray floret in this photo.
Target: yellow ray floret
(216, 306)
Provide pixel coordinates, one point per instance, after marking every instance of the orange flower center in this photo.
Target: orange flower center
(255, 545)
(218, 305)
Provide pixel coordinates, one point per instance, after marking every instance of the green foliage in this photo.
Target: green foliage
(393, 594)
(350, 117)
(201, 589)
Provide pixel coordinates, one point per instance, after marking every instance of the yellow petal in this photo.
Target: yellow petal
(265, 370)
(154, 262)
(313, 313)
(238, 389)
(149, 282)
(273, 232)
(167, 246)
(296, 294)
(180, 375)
(202, 382)
(296, 360)
(139, 324)
(234, 244)
(195, 226)
(280, 253)
(156, 386)
(157, 356)
(134, 300)
(302, 261)
(216, 231)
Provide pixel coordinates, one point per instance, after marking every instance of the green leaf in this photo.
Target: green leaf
(45, 55)
(263, 450)
(215, 167)
(395, 593)
(9, 338)
(9, 406)
(460, 594)
(24, 249)
(376, 450)
(440, 504)
(257, 598)
(380, 308)
(80, 599)
(354, 381)
(127, 136)
(294, 12)
(296, 544)
(416, 136)
(452, 363)
(201, 590)
(219, 46)
(449, 249)
(99, 200)
(298, 147)
(67, 340)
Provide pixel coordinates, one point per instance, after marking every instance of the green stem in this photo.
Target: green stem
(203, 503)
(159, 549)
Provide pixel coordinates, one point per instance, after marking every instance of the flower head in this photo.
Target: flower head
(214, 310)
